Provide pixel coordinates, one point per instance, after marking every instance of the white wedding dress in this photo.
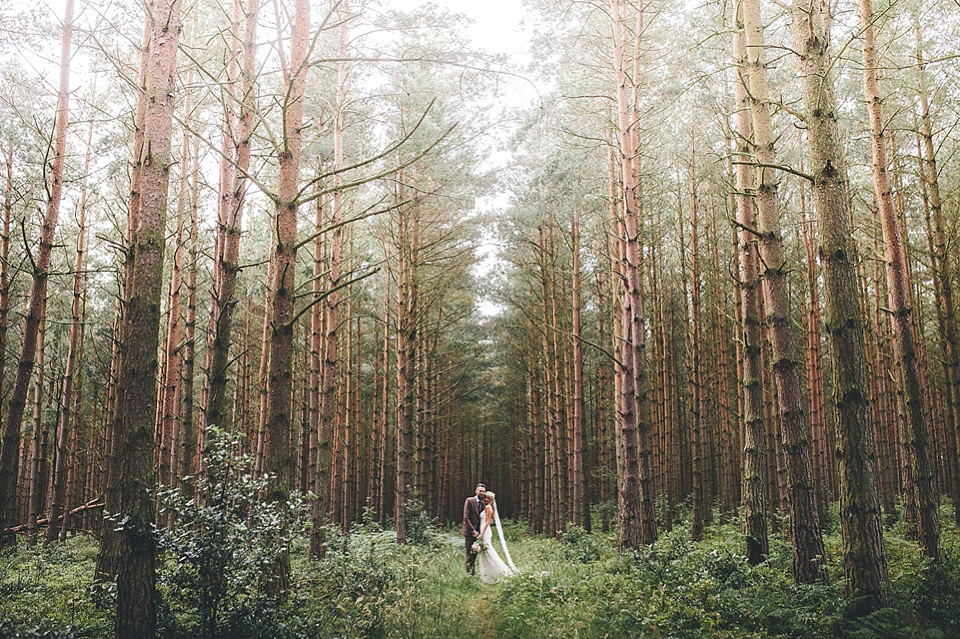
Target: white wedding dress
(489, 564)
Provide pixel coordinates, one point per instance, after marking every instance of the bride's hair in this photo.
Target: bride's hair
(489, 496)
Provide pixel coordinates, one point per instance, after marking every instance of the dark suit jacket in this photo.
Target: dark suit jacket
(471, 516)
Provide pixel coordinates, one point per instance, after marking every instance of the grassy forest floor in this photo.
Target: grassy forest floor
(576, 587)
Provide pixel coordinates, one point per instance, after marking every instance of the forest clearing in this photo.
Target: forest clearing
(282, 281)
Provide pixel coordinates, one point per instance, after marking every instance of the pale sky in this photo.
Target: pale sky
(496, 22)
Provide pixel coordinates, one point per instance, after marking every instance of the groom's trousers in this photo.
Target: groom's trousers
(471, 556)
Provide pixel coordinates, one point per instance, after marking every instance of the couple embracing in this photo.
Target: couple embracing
(479, 513)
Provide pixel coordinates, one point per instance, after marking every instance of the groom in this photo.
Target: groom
(471, 524)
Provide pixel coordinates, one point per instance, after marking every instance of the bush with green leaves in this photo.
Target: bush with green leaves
(220, 546)
(421, 530)
(579, 545)
(350, 591)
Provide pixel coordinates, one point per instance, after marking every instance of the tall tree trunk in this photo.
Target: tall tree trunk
(263, 369)
(637, 525)
(93, 473)
(320, 505)
(548, 397)
(172, 388)
(131, 477)
(701, 501)
(384, 410)
(943, 270)
(38, 292)
(336, 454)
(63, 437)
(376, 426)
(887, 424)
(814, 366)
(278, 460)
(82, 429)
(407, 336)
(350, 422)
(566, 391)
(808, 552)
(331, 311)
(108, 557)
(602, 446)
(538, 499)
(727, 424)
(188, 434)
(38, 444)
(559, 417)
(928, 526)
(237, 132)
(5, 289)
(671, 474)
(733, 200)
(864, 561)
(581, 505)
(753, 503)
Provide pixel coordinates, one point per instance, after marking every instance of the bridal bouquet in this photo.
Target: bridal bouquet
(479, 546)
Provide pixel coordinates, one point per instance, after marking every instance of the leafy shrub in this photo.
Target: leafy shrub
(579, 545)
(420, 527)
(222, 545)
(349, 593)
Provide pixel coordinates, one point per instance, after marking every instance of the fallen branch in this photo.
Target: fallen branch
(90, 505)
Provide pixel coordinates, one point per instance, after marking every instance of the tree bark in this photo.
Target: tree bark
(66, 394)
(928, 526)
(407, 336)
(943, 279)
(10, 437)
(237, 131)
(581, 505)
(864, 561)
(604, 396)
(808, 552)
(823, 477)
(559, 416)
(81, 451)
(331, 311)
(321, 497)
(188, 435)
(172, 387)
(547, 396)
(129, 495)
(278, 455)
(38, 444)
(753, 504)
(637, 524)
(701, 501)
(383, 410)
(728, 470)
(38, 292)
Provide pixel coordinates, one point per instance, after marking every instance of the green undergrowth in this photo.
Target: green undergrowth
(578, 586)
(47, 593)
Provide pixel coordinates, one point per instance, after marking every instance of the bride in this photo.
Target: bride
(489, 564)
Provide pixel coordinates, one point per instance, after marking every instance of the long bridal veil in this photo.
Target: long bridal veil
(503, 543)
